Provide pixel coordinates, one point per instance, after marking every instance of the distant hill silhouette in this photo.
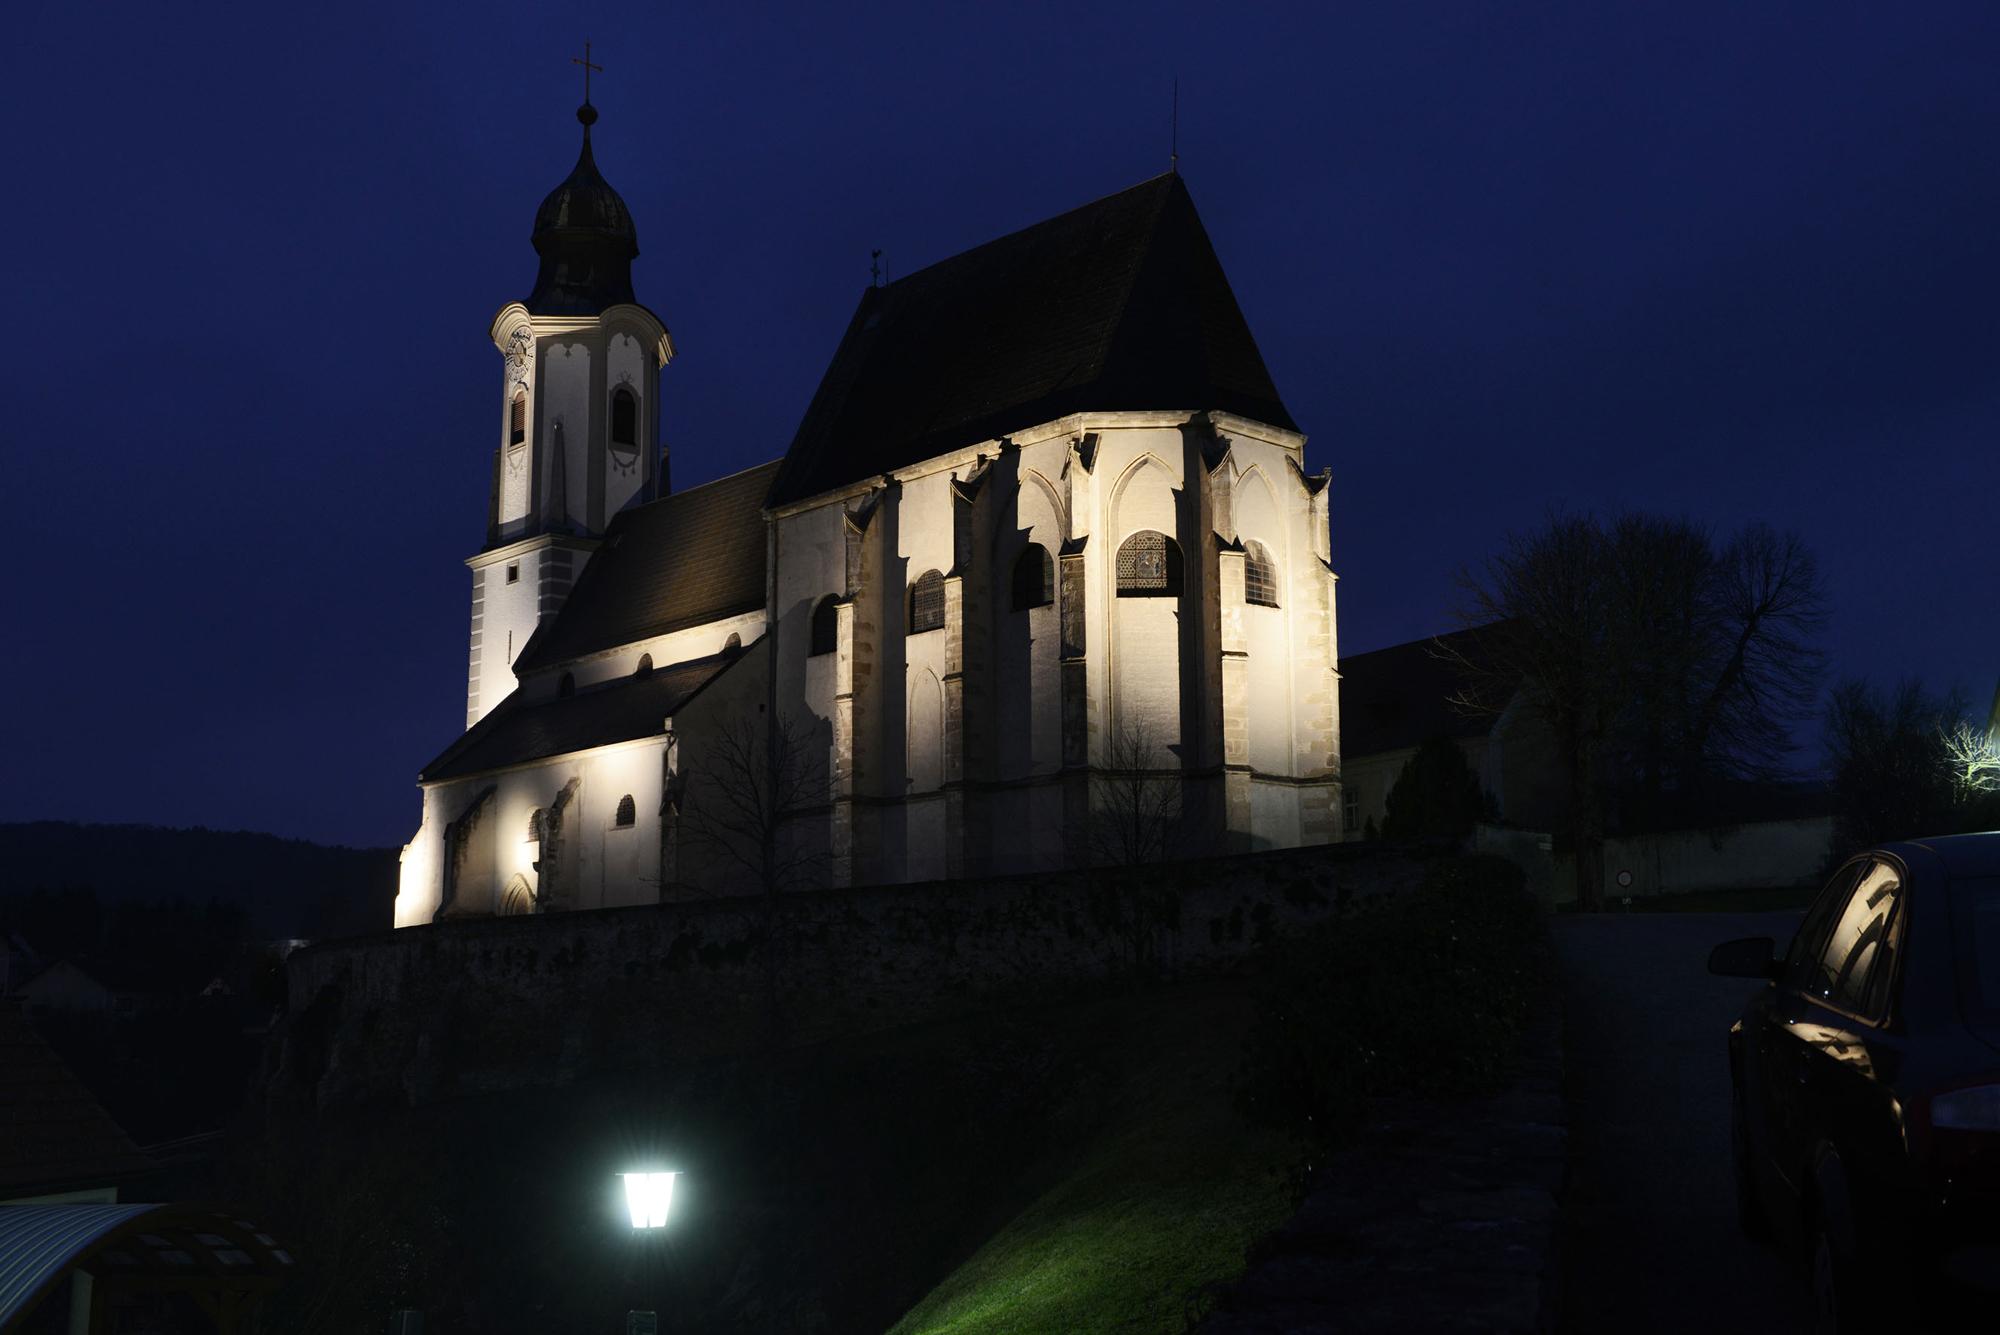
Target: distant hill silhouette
(289, 888)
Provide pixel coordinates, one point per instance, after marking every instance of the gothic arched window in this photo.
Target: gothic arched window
(624, 418)
(645, 668)
(825, 626)
(1149, 566)
(627, 811)
(927, 603)
(1034, 578)
(1260, 575)
(517, 418)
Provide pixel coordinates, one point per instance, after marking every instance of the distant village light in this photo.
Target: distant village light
(648, 1195)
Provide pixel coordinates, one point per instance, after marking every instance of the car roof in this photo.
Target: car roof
(1959, 854)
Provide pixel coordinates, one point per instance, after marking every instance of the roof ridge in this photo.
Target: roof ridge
(1049, 222)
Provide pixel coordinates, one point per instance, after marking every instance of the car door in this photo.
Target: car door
(1850, 1049)
(1781, 1069)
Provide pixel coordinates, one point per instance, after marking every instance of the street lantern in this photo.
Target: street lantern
(648, 1196)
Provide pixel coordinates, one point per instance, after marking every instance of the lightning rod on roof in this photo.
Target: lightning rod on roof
(874, 268)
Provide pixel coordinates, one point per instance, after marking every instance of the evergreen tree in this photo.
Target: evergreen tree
(1436, 797)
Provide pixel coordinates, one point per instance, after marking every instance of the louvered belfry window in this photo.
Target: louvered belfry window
(927, 603)
(1149, 566)
(624, 417)
(1034, 578)
(517, 420)
(1260, 576)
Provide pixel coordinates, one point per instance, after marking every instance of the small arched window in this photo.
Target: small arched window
(1149, 566)
(627, 812)
(927, 603)
(825, 626)
(624, 418)
(645, 668)
(734, 644)
(537, 825)
(1260, 575)
(517, 418)
(1034, 578)
(566, 687)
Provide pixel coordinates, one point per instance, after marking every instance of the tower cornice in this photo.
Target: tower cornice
(629, 315)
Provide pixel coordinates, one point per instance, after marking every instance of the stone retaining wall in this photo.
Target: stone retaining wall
(472, 1006)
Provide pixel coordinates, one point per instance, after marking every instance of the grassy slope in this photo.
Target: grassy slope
(1158, 1199)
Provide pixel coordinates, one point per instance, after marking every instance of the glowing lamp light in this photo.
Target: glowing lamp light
(648, 1195)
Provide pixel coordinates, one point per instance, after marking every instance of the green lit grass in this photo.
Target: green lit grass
(1157, 1206)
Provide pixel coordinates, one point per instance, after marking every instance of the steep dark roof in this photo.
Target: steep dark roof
(617, 711)
(53, 1134)
(692, 557)
(1403, 696)
(1117, 306)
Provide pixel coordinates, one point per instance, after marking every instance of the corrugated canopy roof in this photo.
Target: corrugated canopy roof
(617, 711)
(186, 1247)
(1120, 305)
(684, 560)
(1405, 695)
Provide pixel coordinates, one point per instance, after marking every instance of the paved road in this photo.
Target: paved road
(1651, 1242)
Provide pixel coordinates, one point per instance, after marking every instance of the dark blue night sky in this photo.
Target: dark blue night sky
(1722, 260)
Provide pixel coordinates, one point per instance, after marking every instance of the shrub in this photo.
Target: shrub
(1423, 994)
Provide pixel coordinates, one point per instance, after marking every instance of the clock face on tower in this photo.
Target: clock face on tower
(519, 347)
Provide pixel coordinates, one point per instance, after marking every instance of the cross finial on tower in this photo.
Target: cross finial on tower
(587, 68)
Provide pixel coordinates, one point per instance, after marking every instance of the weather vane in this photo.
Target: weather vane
(587, 68)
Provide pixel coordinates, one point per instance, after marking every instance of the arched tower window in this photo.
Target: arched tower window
(624, 418)
(1034, 578)
(645, 668)
(517, 418)
(1260, 575)
(825, 626)
(627, 811)
(1149, 566)
(927, 603)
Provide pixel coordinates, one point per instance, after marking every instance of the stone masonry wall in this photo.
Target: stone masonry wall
(479, 1005)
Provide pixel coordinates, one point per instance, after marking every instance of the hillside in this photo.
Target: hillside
(288, 887)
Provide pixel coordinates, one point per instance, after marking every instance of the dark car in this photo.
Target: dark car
(1867, 1083)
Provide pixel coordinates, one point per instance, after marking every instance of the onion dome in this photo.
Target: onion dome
(586, 239)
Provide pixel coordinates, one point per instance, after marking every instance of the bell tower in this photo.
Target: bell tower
(578, 420)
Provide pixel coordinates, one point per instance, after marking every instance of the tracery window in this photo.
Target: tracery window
(1034, 578)
(1149, 566)
(1260, 576)
(927, 603)
(624, 418)
(825, 626)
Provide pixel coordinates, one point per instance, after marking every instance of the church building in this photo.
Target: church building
(1041, 580)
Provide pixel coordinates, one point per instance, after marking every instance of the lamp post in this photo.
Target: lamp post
(648, 1198)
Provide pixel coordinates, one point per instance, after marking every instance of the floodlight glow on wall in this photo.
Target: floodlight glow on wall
(648, 1195)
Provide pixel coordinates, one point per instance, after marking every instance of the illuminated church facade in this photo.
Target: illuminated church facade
(1042, 579)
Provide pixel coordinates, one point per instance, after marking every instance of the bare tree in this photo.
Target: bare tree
(1658, 660)
(745, 792)
(1553, 587)
(1136, 814)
